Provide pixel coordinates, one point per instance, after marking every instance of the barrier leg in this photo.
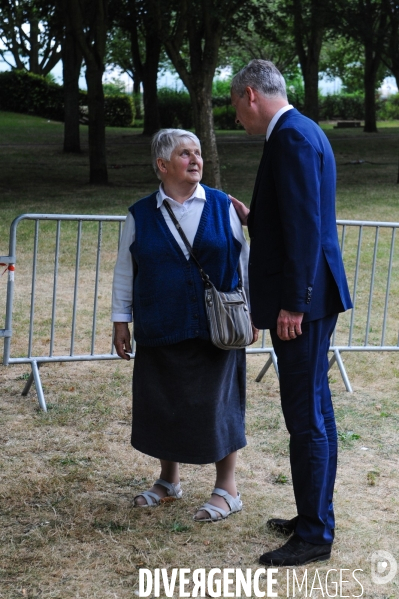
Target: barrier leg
(337, 358)
(272, 360)
(35, 376)
(28, 385)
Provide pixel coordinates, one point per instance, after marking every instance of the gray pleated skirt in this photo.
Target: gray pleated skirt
(188, 401)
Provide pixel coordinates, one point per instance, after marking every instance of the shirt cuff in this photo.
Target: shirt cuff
(121, 317)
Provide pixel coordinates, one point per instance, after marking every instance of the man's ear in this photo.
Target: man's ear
(250, 93)
(161, 165)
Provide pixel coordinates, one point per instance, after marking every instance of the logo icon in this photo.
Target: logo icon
(383, 567)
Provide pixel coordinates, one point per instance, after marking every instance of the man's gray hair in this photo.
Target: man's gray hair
(261, 75)
(166, 140)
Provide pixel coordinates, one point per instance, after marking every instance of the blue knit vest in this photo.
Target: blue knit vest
(168, 292)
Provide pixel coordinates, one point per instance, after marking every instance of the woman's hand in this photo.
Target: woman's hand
(241, 209)
(122, 340)
(255, 334)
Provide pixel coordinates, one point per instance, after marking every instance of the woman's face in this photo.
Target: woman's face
(185, 164)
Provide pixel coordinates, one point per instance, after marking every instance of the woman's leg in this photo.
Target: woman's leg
(170, 473)
(225, 479)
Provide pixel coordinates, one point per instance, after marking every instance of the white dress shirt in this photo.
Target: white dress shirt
(188, 214)
(275, 119)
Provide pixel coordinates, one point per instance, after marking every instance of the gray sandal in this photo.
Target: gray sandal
(173, 492)
(218, 513)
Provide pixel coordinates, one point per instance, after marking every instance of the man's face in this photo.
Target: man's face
(246, 112)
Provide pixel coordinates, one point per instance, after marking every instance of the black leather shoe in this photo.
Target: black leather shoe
(296, 552)
(284, 527)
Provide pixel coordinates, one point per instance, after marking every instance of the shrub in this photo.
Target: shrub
(221, 93)
(389, 108)
(115, 87)
(175, 109)
(24, 92)
(343, 106)
(119, 111)
(296, 92)
(224, 117)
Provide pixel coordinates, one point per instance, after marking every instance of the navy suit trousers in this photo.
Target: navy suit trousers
(309, 417)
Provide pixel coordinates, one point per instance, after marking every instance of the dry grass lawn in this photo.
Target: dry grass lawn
(68, 476)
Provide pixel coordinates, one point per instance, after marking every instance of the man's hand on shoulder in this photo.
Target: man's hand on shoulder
(289, 325)
(241, 209)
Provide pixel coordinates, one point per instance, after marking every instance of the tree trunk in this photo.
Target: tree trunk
(91, 37)
(71, 63)
(34, 46)
(149, 77)
(137, 95)
(308, 34)
(95, 97)
(370, 75)
(201, 99)
(311, 82)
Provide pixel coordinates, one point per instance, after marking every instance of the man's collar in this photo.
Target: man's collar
(199, 194)
(275, 119)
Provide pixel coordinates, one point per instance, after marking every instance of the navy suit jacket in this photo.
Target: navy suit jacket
(295, 259)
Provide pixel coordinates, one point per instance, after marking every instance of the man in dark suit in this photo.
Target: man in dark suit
(297, 288)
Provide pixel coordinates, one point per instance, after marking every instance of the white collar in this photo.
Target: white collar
(198, 194)
(275, 119)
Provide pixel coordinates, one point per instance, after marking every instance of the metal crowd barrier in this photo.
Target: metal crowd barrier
(69, 273)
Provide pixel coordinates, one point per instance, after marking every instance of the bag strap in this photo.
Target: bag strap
(203, 274)
(188, 245)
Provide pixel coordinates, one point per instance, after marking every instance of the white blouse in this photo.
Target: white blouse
(188, 214)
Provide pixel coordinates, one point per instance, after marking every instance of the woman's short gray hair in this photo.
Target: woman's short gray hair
(166, 140)
(261, 75)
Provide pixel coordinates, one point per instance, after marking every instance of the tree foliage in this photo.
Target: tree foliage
(192, 32)
(365, 22)
(30, 31)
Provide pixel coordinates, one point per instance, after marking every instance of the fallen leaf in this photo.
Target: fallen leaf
(167, 499)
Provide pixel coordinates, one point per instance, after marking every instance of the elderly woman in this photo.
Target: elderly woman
(188, 395)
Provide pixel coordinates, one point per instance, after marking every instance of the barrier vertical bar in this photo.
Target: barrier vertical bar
(76, 284)
(384, 323)
(93, 335)
(33, 292)
(342, 254)
(113, 329)
(355, 284)
(8, 318)
(371, 286)
(55, 284)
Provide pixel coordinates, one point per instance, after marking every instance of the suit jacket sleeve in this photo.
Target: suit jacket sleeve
(298, 167)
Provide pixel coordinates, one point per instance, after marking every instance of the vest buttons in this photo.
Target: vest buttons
(195, 315)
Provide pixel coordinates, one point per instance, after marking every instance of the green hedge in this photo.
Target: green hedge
(343, 106)
(119, 111)
(24, 92)
(175, 109)
(389, 108)
(224, 117)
